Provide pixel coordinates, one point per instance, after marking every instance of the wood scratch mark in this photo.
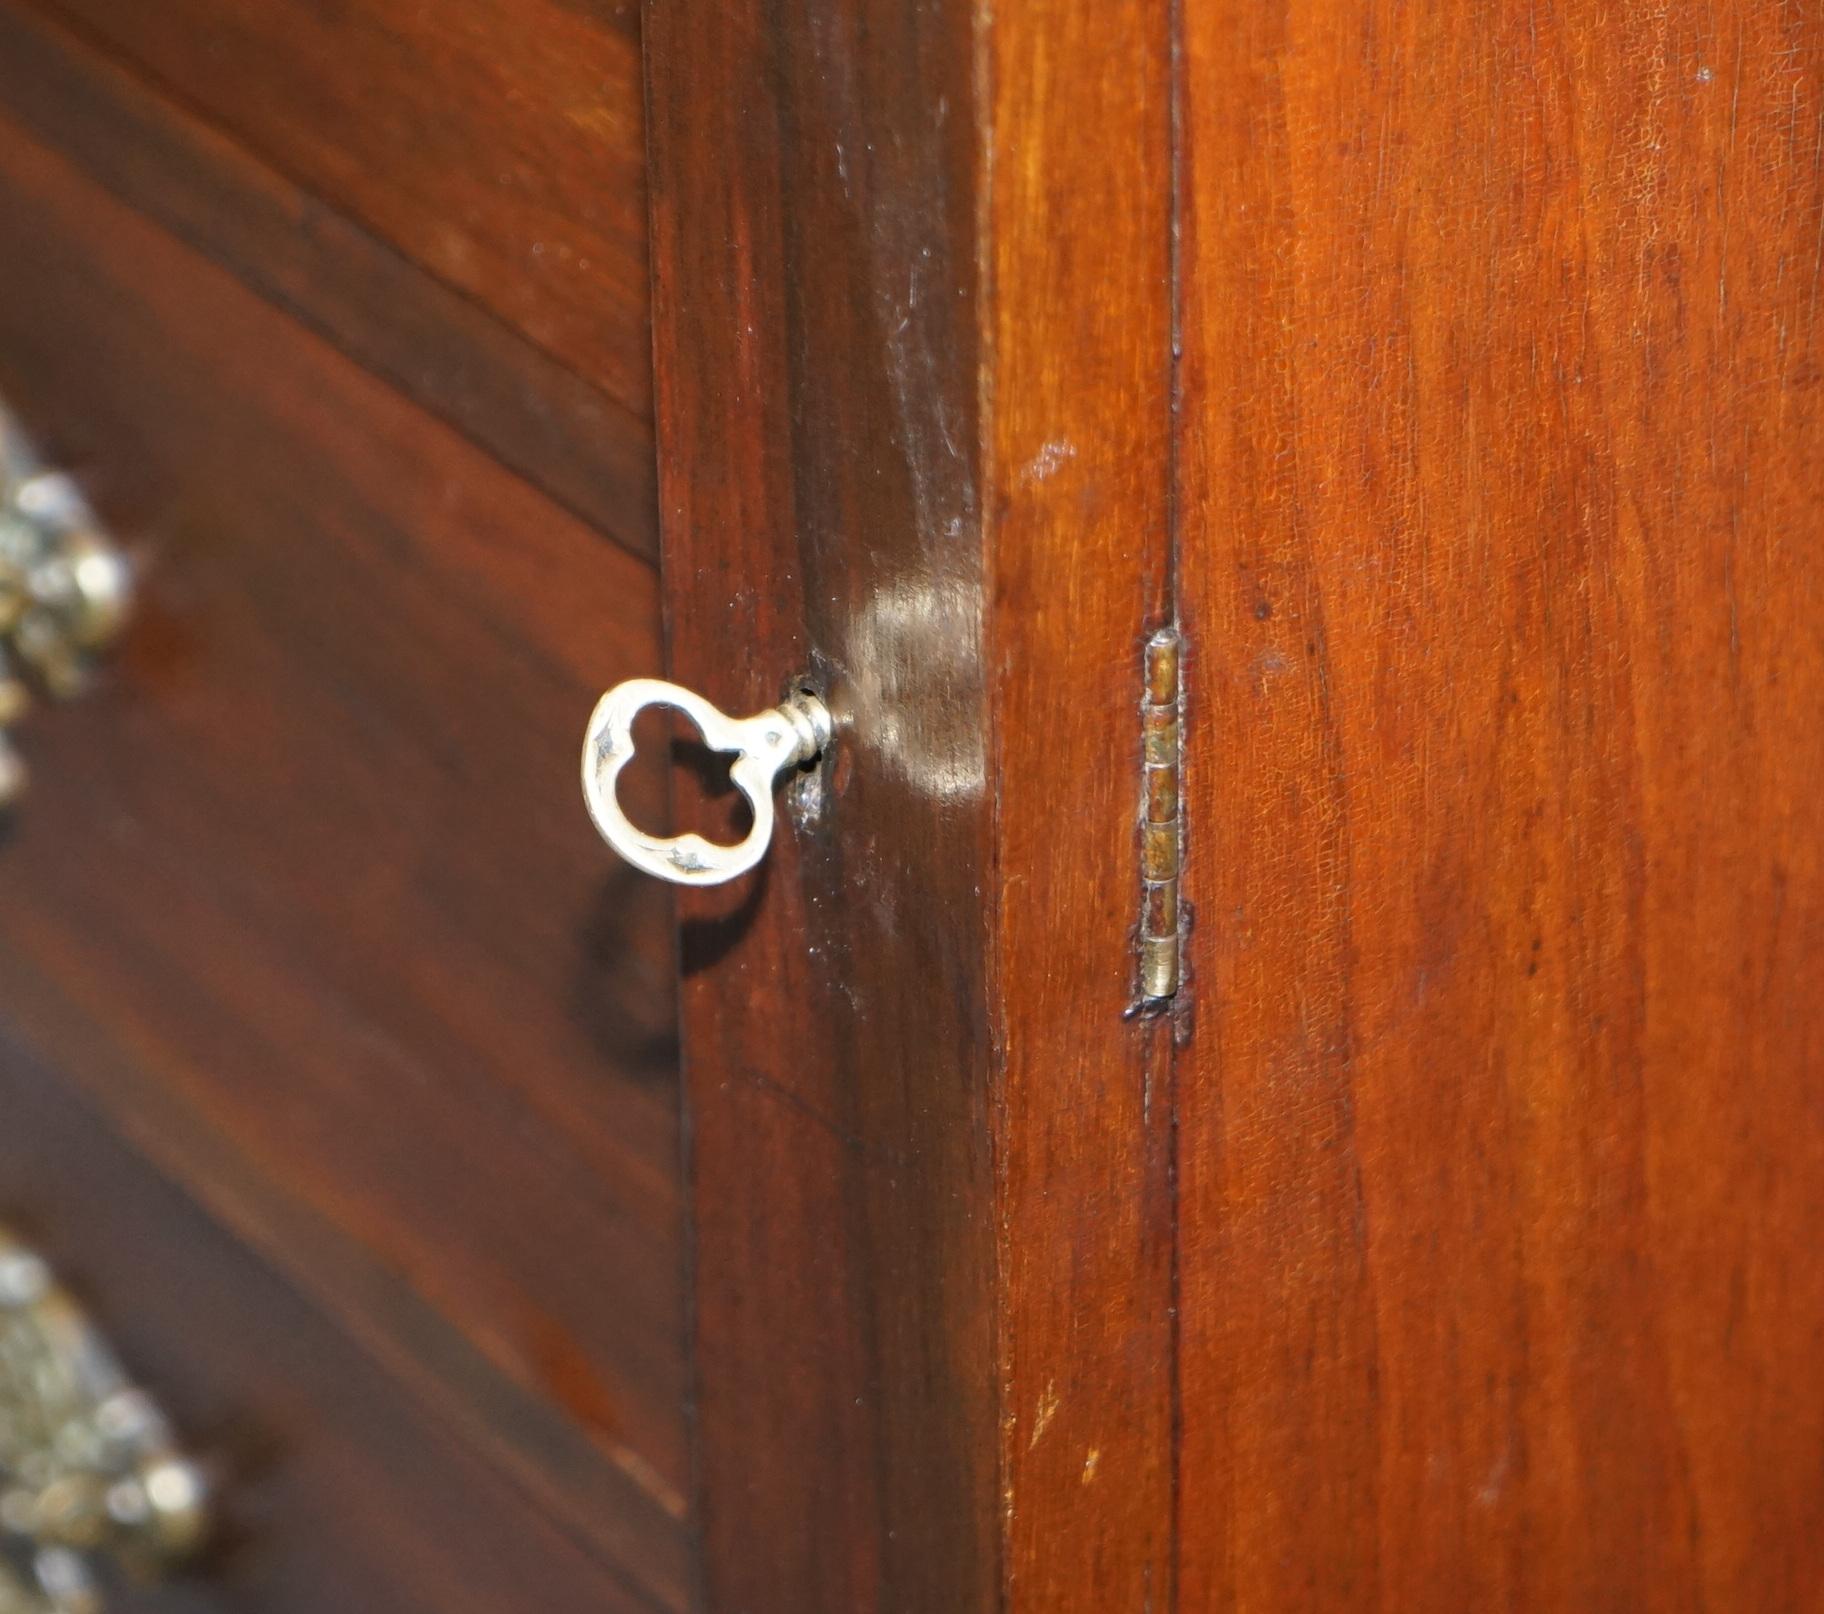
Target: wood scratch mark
(1047, 1410)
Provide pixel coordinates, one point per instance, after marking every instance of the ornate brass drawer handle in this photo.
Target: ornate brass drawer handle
(763, 746)
(65, 590)
(91, 1477)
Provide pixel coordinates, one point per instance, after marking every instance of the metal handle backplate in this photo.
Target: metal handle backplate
(763, 746)
(91, 1476)
(65, 589)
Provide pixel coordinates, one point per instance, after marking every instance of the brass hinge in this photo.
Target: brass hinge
(1161, 822)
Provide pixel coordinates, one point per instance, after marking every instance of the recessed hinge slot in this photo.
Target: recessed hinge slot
(1161, 822)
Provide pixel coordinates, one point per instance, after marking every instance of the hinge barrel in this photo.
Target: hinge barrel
(1162, 820)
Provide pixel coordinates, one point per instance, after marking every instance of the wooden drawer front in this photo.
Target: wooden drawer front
(304, 905)
(348, 1495)
(496, 142)
(397, 301)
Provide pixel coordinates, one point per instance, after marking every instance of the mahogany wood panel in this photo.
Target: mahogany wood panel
(300, 251)
(305, 897)
(495, 142)
(912, 322)
(814, 311)
(1076, 193)
(1501, 1147)
(337, 1492)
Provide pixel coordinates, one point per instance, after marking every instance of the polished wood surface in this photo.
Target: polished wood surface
(814, 308)
(907, 445)
(303, 901)
(494, 142)
(1448, 1243)
(576, 436)
(1452, 383)
(1502, 557)
(1077, 149)
(337, 1491)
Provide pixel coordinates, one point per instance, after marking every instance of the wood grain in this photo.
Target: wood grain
(907, 444)
(1077, 200)
(305, 898)
(1500, 1141)
(1458, 1255)
(335, 1491)
(496, 143)
(814, 307)
(305, 254)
